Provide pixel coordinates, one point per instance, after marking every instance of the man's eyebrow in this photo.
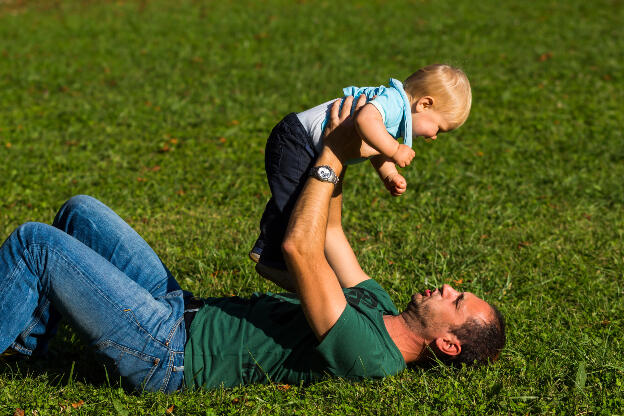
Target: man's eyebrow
(459, 299)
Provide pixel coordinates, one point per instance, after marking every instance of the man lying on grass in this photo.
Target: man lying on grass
(94, 270)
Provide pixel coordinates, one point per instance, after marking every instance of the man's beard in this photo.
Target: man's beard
(418, 314)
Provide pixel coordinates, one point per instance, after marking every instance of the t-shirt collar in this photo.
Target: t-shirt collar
(407, 112)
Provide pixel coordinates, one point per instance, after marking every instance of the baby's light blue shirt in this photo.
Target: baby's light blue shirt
(393, 104)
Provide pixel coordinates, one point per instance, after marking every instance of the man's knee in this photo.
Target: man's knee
(30, 232)
(76, 206)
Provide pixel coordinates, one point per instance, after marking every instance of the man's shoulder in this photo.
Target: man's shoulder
(370, 294)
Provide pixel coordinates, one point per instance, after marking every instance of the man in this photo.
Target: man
(93, 269)
(351, 328)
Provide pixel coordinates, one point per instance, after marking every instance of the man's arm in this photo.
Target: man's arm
(317, 285)
(338, 251)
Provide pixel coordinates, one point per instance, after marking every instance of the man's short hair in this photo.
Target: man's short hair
(480, 343)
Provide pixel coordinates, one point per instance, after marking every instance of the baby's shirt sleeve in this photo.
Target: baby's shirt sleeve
(390, 104)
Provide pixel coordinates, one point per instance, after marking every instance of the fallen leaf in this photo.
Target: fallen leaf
(164, 149)
(180, 192)
(18, 412)
(605, 322)
(607, 77)
(545, 56)
(140, 179)
(523, 244)
(587, 217)
(170, 410)
(484, 236)
(77, 404)
(283, 387)
(458, 281)
(479, 153)
(222, 139)
(173, 141)
(8, 145)
(155, 168)
(234, 123)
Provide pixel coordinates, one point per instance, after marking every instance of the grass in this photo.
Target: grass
(162, 109)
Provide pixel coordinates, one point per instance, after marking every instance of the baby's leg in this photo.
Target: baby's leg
(288, 159)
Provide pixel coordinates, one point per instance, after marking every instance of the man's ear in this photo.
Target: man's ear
(448, 344)
(423, 104)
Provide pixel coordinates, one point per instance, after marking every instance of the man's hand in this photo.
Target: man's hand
(340, 133)
(404, 155)
(396, 184)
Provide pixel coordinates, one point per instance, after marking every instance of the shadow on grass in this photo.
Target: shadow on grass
(68, 360)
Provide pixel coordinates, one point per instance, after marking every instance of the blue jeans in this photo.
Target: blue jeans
(94, 270)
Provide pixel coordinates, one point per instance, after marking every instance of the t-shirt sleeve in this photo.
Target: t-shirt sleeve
(390, 105)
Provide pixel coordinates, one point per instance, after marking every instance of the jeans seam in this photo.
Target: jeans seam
(11, 277)
(36, 318)
(132, 351)
(169, 371)
(174, 328)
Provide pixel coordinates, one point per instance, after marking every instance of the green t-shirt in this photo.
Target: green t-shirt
(266, 338)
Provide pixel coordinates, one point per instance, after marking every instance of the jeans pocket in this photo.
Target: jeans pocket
(135, 366)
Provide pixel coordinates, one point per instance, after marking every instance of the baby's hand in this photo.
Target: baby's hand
(403, 156)
(396, 184)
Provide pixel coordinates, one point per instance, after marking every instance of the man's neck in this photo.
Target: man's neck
(410, 344)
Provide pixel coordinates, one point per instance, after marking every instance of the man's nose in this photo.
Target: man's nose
(448, 291)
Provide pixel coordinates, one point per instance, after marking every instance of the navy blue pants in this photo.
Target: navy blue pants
(288, 157)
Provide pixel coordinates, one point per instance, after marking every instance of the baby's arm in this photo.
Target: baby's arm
(369, 125)
(389, 175)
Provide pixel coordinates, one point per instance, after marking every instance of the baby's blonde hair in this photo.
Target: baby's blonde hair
(449, 87)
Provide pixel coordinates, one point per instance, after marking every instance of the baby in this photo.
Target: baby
(434, 99)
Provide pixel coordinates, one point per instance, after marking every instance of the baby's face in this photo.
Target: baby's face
(428, 124)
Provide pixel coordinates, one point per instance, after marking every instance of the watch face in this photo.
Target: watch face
(324, 172)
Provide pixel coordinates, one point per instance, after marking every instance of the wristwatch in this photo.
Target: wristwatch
(324, 174)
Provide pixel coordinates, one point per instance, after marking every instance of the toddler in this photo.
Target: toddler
(434, 99)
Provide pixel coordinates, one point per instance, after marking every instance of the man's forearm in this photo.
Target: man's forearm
(317, 286)
(308, 221)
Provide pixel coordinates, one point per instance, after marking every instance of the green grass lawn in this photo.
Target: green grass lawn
(161, 110)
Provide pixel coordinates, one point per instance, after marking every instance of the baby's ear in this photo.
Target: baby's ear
(423, 104)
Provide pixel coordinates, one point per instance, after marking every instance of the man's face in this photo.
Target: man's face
(442, 309)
